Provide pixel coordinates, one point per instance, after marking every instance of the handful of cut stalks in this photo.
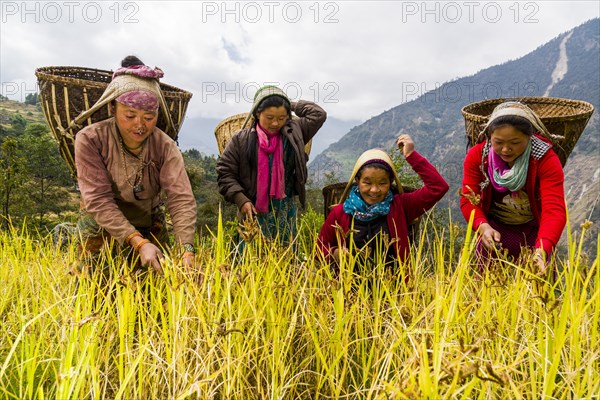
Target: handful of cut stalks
(248, 229)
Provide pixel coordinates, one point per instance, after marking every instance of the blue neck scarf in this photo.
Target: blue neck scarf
(356, 206)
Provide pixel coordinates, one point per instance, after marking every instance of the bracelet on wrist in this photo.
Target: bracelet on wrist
(134, 234)
(189, 248)
(139, 245)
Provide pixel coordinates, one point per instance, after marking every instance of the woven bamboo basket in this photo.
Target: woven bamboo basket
(231, 125)
(66, 92)
(565, 119)
(332, 196)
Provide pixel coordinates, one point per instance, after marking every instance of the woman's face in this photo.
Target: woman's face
(373, 184)
(273, 118)
(134, 125)
(509, 143)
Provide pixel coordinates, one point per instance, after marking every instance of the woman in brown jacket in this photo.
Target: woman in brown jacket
(263, 167)
(126, 166)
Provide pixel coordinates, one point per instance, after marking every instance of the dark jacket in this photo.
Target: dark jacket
(237, 166)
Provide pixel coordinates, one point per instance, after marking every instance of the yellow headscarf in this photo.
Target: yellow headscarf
(371, 155)
(521, 110)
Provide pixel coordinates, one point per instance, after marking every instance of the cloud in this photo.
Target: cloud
(356, 58)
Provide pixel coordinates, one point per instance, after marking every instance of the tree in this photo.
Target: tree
(407, 176)
(202, 171)
(18, 123)
(193, 166)
(36, 130)
(32, 98)
(12, 175)
(46, 172)
(3, 132)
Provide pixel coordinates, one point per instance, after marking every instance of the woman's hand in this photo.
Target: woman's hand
(539, 259)
(489, 236)
(405, 144)
(337, 253)
(151, 256)
(248, 210)
(188, 260)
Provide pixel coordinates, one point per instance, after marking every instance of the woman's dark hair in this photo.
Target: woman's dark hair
(519, 123)
(377, 165)
(130, 61)
(273, 101)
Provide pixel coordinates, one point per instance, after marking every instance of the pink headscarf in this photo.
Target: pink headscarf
(140, 99)
(143, 71)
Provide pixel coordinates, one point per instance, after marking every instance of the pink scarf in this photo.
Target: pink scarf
(269, 143)
(140, 100)
(496, 163)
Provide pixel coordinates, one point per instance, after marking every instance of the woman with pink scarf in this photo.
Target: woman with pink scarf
(513, 187)
(263, 167)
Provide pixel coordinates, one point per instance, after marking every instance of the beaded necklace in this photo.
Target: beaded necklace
(138, 172)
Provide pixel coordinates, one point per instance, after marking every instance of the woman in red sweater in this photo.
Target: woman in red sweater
(372, 210)
(513, 184)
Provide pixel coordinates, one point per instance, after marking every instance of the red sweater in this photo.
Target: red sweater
(544, 187)
(405, 208)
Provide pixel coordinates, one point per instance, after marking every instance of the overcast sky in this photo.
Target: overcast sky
(356, 58)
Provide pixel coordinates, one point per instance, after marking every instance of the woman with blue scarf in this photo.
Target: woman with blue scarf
(513, 185)
(376, 210)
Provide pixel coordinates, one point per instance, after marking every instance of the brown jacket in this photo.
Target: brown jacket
(109, 197)
(237, 168)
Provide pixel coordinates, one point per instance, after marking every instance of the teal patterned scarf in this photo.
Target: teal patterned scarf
(356, 206)
(505, 177)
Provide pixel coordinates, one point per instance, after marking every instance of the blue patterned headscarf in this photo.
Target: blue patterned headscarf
(359, 209)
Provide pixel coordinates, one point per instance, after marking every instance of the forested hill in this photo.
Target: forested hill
(568, 66)
(14, 115)
(35, 185)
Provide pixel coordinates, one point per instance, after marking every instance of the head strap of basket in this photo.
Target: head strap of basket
(140, 81)
(370, 157)
(261, 94)
(521, 110)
